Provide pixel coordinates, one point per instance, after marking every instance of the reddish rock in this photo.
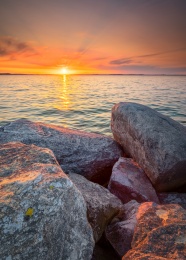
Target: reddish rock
(135, 255)
(156, 142)
(173, 198)
(129, 182)
(88, 154)
(160, 233)
(120, 231)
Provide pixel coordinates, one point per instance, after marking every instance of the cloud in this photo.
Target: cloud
(135, 59)
(10, 46)
(121, 61)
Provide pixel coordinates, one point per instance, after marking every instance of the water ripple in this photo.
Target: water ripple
(85, 102)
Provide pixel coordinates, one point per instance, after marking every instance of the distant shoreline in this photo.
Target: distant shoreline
(22, 74)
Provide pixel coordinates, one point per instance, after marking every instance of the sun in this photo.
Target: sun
(64, 71)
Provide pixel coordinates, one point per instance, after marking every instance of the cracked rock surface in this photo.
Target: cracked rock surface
(160, 233)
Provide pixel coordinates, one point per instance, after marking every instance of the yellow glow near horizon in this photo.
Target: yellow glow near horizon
(64, 71)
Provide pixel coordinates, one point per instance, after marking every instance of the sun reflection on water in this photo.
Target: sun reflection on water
(63, 92)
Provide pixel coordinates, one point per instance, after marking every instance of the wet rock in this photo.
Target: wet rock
(173, 198)
(156, 142)
(88, 154)
(102, 206)
(128, 182)
(120, 231)
(42, 214)
(160, 232)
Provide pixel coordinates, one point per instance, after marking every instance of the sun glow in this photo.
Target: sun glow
(64, 71)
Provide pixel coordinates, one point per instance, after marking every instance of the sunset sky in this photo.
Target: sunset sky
(93, 36)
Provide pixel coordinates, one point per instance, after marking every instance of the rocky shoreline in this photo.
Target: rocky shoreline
(67, 194)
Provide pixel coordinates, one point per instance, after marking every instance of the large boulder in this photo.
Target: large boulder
(102, 206)
(173, 198)
(88, 154)
(156, 142)
(160, 233)
(129, 182)
(121, 230)
(42, 213)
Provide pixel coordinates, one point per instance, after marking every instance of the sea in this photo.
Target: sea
(84, 102)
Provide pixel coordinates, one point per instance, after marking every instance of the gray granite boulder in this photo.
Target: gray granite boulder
(129, 182)
(160, 233)
(42, 213)
(156, 142)
(88, 154)
(102, 206)
(121, 230)
(173, 198)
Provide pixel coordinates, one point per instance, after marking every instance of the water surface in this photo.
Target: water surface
(85, 102)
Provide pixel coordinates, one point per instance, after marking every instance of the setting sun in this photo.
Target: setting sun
(64, 71)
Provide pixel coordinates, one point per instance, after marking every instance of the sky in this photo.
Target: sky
(93, 36)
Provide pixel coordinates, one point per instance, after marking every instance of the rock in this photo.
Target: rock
(160, 233)
(173, 198)
(88, 154)
(102, 206)
(156, 142)
(42, 214)
(120, 231)
(129, 182)
(135, 255)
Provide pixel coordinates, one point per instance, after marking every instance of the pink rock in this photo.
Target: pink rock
(129, 182)
(121, 230)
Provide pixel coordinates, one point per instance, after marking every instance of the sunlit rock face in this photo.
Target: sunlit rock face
(42, 214)
(160, 233)
(102, 206)
(128, 181)
(156, 142)
(121, 230)
(88, 154)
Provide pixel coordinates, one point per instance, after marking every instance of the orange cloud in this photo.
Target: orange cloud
(27, 57)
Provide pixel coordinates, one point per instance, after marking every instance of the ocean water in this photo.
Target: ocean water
(85, 102)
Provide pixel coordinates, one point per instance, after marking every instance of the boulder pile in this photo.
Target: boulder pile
(72, 195)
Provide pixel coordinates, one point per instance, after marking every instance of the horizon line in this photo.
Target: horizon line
(91, 74)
